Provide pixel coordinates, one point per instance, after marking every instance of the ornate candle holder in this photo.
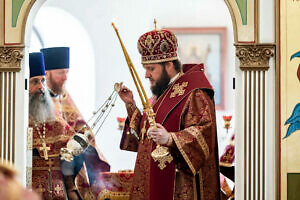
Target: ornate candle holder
(227, 120)
(121, 123)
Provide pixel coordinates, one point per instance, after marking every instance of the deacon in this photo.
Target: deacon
(185, 125)
(50, 134)
(57, 68)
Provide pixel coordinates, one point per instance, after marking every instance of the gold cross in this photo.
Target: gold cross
(162, 155)
(58, 188)
(40, 189)
(154, 24)
(45, 149)
(178, 89)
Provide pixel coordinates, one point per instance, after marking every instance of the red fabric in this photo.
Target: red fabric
(162, 181)
(120, 182)
(158, 46)
(298, 72)
(149, 182)
(192, 67)
(227, 158)
(46, 172)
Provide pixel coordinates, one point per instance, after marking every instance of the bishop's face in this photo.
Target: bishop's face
(37, 85)
(153, 72)
(56, 79)
(158, 77)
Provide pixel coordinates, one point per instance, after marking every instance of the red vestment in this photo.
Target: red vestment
(186, 110)
(47, 178)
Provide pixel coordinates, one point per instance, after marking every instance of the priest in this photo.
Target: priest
(57, 68)
(50, 134)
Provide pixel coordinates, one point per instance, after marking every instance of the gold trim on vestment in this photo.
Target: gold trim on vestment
(49, 156)
(201, 184)
(200, 139)
(48, 164)
(132, 120)
(51, 140)
(159, 61)
(46, 168)
(106, 194)
(186, 158)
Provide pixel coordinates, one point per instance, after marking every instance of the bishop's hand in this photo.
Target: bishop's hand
(126, 94)
(159, 134)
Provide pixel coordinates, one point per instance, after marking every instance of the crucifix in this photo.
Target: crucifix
(45, 149)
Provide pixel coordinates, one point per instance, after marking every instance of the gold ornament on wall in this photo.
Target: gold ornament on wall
(254, 56)
(10, 59)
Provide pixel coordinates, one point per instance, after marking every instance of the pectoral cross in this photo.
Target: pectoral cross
(45, 149)
(178, 89)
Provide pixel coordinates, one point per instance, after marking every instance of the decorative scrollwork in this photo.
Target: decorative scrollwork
(10, 58)
(28, 177)
(254, 56)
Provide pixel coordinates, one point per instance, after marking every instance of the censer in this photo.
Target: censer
(79, 142)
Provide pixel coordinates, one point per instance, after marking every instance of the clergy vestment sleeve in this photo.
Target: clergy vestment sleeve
(130, 137)
(196, 142)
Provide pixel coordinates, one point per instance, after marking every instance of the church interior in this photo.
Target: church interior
(250, 50)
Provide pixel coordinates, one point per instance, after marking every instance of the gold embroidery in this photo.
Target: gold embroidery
(143, 131)
(106, 194)
(51, 140)
(58, 188)
(162, 155)
(40, 189)
(29, 138)
(200, 139)
(178, 89)
(201, 184)
(46, 168)
(186, 158)
(132, 123)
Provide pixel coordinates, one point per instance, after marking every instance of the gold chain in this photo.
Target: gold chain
(42, 136)
(44, 147)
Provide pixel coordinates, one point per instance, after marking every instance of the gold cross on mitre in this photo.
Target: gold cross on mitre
(178, 89)
(45, 150)
(155, 22)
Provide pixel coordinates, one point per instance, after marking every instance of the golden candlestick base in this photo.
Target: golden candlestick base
(162, 155)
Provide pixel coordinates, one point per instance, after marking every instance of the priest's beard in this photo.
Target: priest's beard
(161, 84)
(55, 87)
(41, 107)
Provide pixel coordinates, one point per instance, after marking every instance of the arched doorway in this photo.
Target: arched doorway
(240, 11)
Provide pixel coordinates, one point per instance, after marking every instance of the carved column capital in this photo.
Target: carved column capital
(10, 58)
(255, 56)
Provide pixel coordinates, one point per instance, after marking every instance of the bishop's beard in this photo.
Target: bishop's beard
(41, 107)
(161, 84)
